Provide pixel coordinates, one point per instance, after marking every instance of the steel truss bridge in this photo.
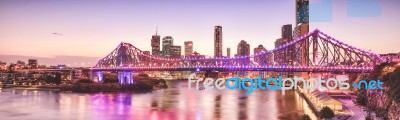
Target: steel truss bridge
(312, 52)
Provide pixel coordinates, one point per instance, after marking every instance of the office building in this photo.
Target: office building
(228, 52)
(167, 42)
(302, 11)
(218, 41)
(258, 50)
(32, 63)
(285, 56)
(155, 44)
(302, 28)
(188, 48)
(243, 49)
(287, 31)
(175, 51)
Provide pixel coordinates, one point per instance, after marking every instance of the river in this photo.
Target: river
(174, 103)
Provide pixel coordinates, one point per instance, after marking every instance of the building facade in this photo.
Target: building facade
(285, 56)
(155, 44)
(175, 51)
(257, 50)
(243, 49)
(188, 48)
(302, 11)
(167, 42)
(218, 41)
(32, 63)
(228, 52)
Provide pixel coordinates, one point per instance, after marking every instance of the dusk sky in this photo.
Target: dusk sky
(93, 28)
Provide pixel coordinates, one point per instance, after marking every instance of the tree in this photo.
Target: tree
(110, 78)
(361, 97)
(368, 117)
(327, 113)
(84, 81)
(49, 79)
(305, 117)
(57, 79)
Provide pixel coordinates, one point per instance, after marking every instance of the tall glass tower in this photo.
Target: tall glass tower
(218, 41)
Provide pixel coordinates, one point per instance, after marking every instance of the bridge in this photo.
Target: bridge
(312, 52)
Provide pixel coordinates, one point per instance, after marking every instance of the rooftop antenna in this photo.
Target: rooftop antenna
(156, 30)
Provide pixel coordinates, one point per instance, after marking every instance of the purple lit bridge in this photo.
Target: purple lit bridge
(312, 52)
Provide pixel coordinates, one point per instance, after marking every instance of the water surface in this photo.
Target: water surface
(175, 103)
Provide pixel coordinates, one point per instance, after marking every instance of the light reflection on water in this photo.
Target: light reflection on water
(175, 103)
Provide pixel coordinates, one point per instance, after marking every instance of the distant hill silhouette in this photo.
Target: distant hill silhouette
(74, 61)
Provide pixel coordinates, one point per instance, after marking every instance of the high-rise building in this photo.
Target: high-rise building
(285, 56)
(280, 55)
(155, 44)
(257, 50)
(175, 51)
(302, 28)
(218, 41)
(32, 63)
(228, 52)
(167, 42)
(302, 11)
(243, 49)
(287, 31)
(188, 48)
(302, 55)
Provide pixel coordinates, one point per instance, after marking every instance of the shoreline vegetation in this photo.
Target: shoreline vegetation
(143, 83)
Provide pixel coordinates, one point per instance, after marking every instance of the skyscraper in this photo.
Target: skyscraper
(285, 56)
(302, 28)
(228, 52)
(243, 49)
(155, 44)
(218, 41)
(287, 34)
(257, 50)
(167, 42)
(287, 31)
(302, 11)
(175, 51)
(188, 48)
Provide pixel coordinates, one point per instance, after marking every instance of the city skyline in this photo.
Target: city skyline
(60, 40)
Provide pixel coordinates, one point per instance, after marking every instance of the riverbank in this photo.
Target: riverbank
(32, 87)
(308, 101)
(91, 87)
(317, 100)
(106, 87)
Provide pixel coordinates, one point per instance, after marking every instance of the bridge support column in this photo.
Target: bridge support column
(125, 77)
(96, 76)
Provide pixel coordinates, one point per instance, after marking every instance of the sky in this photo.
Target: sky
(93, 28)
